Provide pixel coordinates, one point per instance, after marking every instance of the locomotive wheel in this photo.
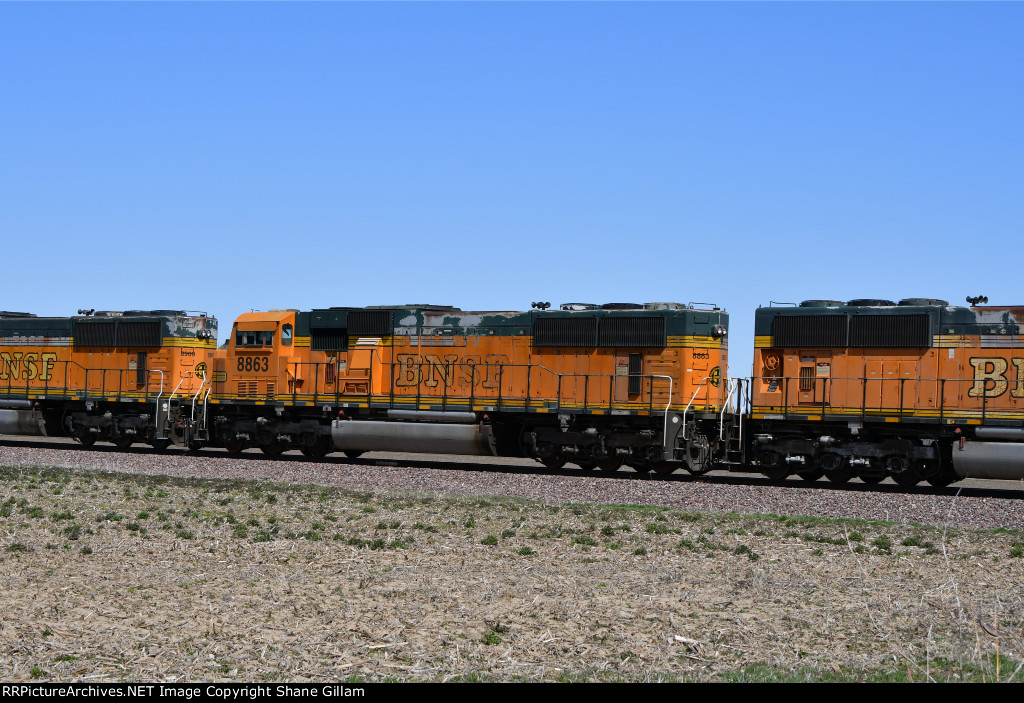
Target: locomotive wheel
(840, 475)
(610, 463)
(586, 464)
(319, 450)
(642, 467)
(777, 473)
(554, 462)
(87, 439)
(907, 478)
(233, 446)
(902, 471)
(272, 449)
(353, 453)
(771, 466)
(943, 477)
(812, 475)
(123, 441)
(664, 468)
(871, 479)
(160, 444)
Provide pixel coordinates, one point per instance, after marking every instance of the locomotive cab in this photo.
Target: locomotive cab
(263, 378)
(260, 359)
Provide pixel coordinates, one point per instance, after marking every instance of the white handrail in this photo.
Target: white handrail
(196, 396)
(156, 415)
(664, 432)
(687, 409)
(730, 389)
(169, 397)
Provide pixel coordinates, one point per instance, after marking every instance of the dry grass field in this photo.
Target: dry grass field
(146, 578)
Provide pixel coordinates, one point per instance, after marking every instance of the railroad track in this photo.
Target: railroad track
(1012, 490)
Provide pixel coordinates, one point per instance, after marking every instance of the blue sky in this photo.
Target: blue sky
(224, 157)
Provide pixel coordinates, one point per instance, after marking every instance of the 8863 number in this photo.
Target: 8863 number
(253, 363)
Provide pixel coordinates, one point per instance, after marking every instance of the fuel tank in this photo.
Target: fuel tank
(24, 422)
(418, 437)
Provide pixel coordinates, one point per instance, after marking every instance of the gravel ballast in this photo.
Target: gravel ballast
(794, 498)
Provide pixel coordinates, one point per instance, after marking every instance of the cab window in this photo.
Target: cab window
(254, 338)
(286, 336)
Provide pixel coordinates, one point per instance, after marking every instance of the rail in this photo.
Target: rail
(492, 385)
(727, 405)
(198, 392)
(37, 380)
(995, 400)
(687, 408)
(156, 415)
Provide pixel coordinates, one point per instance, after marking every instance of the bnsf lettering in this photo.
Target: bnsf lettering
(432, 369)
(26, 366)
(990, 377)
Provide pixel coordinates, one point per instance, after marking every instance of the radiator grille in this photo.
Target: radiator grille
(565, 332)
(890, 331)
(372, 323)
(328, 339)
(810, 331)
(138, 334)
(96, 334)
(117, 333)
(632, 332)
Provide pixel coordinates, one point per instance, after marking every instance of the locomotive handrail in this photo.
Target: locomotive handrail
(206, 405)
(196, 396)
(156, 415)
(739, 406)
(65, 390)
(175, 391)
(499, 374)
(687, 408)
(969, 404)
(730, 388)
(664, 431)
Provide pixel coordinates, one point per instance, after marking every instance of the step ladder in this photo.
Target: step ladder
(732, 424)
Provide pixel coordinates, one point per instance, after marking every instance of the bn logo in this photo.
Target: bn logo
(715, 376)
(201, 369)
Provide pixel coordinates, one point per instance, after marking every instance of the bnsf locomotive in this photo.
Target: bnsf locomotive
(919, 390)
(599, 386)
(122, 377)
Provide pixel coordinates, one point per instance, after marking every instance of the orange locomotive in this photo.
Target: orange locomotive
(595, 385)
(919, 390)
(118, 376)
